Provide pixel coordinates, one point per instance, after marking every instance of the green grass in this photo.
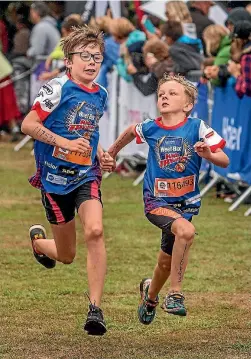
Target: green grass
(42, 311)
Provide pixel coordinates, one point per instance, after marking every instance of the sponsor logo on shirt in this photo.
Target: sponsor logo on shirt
(48, 103)
(56, 179)
(210, 134)
(173, 153)
(48, 89)
(50, 165)
(63, 170)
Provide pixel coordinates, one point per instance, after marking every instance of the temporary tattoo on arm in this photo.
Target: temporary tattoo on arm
(181, 265)
(43, 136)
(120, 143)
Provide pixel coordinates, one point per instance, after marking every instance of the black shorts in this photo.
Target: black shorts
(163, 217)
(60, 209)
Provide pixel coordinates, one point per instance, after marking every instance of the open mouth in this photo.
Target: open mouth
(90, 71)
(165, 104)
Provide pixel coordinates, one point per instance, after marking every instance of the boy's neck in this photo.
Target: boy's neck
(173, 119)
(89, 85)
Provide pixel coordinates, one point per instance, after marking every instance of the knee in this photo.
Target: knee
(67, 258)
(186, 232)
(164, 265)
(93, 233)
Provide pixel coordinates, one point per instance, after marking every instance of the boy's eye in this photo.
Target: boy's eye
(172, 93)
(161, 94)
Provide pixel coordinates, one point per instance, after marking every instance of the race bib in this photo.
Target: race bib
(174, 187)
(83, 159)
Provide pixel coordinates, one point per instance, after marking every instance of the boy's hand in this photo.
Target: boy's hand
(203, 150)
(107, 162)
(80, 145)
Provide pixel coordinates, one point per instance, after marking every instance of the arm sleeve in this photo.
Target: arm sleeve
(141, 131)
(211, 137)
(47, 99)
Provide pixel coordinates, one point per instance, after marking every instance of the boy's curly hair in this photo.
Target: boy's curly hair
(82, 36)
(190, 89)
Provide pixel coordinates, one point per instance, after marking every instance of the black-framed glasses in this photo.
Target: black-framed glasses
(86, 56)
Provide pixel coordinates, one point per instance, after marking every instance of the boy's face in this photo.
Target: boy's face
(82, 70)
(172, 98)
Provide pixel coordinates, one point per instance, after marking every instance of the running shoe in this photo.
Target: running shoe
(174, 304)
(95, 324)
(147, 307)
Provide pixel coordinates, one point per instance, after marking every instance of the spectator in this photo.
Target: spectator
(3, 35)
(235, 15)
(44, 35)
(199, 12)
(240, 68)
(186, 56)
(220, 72)
(21, 38)
(217, 42)
(178, 11)
(8, 106)
(158, 62)
(125, 34)
(68, 24)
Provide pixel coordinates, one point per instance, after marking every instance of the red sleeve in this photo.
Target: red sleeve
(221, 145)
(40, 112)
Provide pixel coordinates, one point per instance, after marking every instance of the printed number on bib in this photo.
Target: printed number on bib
(83, 159)
(174, 187)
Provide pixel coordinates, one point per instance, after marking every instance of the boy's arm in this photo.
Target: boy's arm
(218, 158)
(126, 137)
(32, 126)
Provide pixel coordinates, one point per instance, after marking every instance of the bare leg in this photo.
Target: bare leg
(90, 213)
(184, 234)
(160, 274)
(63, 247)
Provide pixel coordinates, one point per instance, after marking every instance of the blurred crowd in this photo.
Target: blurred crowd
(141, 46)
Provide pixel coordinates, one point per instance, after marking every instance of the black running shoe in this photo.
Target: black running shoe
(38, 232)
(95, 324)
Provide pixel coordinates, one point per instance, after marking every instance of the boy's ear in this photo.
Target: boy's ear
(188, 107)
(68, 63)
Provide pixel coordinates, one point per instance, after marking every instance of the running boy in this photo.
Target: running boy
(64, 121)
(171, 193)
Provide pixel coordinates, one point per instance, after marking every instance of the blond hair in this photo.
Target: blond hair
(121, 27)
(178, 11)
(191, 91)
(82, 36)
(212, 36)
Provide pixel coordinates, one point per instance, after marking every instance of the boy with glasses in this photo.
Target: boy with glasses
(64, 121)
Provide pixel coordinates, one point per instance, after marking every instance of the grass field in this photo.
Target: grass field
(42, 311)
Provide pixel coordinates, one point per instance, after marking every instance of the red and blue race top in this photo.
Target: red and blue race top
(172, 172)
(71, 111)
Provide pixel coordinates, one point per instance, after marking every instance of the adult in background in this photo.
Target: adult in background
(185, 56)
(125, 34)
(221, 72)
(218, 43)
(43, 40)
(44, 35)
(111, 53)
(240, 67)
(199, 12)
